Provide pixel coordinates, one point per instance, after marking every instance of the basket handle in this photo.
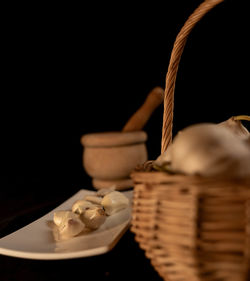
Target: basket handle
(177, 50)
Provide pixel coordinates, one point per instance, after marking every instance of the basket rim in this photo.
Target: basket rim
(161, 177)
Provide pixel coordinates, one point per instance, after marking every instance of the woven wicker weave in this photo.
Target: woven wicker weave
(191, 228)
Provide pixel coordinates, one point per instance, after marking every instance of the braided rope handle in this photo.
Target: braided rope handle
(178, 48)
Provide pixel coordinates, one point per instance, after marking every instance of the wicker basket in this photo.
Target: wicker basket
(191, 228)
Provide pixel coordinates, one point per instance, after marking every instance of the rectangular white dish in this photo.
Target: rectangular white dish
(35, 241)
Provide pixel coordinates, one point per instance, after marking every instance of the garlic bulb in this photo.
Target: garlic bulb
(80, 206)
(234, 125)
(114, 202)
(93, 217)
(210, 150)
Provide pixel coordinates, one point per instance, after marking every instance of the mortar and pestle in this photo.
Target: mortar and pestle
(110, 157)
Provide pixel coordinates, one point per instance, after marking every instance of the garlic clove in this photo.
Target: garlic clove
(59, 215)
(81, 205)
(235, 126)
(114, 202)
(70, 226)
(93, 199)
(94, 217)
(104, 191)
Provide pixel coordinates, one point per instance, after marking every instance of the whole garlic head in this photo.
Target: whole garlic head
(210, 150)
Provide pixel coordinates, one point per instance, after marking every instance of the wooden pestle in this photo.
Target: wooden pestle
(141, 116)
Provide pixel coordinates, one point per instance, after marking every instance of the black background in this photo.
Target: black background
(73, 69)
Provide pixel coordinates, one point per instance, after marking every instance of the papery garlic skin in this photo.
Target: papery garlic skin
(164, 158)
(210, 150)
(236, 127)
(94, 217)
(248, 142)
(114, 202)
(70, 226)
(80, 206)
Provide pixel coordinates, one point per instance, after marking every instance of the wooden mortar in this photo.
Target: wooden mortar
(109, 157)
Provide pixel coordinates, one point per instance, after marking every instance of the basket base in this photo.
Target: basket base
(120, 184)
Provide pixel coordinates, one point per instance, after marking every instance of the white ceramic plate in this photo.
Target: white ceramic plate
(35, 241)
